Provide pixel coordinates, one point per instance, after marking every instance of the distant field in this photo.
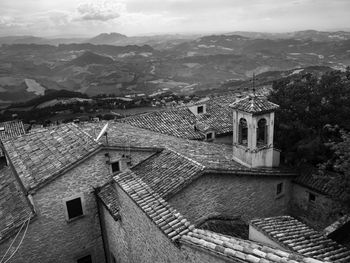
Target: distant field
(137, 110)
(34, 86)
(127, 112)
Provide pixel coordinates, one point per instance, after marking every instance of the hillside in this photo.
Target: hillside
(180, 65)
(88, 58)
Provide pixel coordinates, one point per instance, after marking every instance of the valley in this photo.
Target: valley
(120, 66)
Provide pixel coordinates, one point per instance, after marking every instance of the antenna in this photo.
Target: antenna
(254, 84)
(127, 150)
(102, 132)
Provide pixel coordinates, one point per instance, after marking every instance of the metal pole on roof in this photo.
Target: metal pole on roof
(254, 84)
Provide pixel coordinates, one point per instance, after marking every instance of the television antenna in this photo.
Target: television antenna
(102, 132)
(253, 84)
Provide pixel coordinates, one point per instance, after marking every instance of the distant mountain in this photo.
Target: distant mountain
(10, 40)
(318, 36)
(106, 39)
(22, 40)
(156, 41)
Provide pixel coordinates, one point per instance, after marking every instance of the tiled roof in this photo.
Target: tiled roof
(167, 172)
(14, 207)
(180, 122)
(11, 129)
(296, 236)
(109, 198)
(176, 122)
(39, 156)
(254, 105)
(215, 157)
(328, 186)
(338, 224)
(241, 250)
(166, 218)
(176, 227)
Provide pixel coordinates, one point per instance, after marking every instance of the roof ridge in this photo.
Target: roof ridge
(239, 100)
(166, 218)
(151, 112)
(187, 158)
(147, 159)
(86, 133)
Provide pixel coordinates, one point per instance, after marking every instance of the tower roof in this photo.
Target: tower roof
(254, 105)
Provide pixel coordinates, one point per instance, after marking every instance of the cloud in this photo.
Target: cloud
(100, 11)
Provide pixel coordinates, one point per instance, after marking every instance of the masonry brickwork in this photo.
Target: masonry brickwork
(247, 197)
(136, 239)
(50, 237)
(317, 213)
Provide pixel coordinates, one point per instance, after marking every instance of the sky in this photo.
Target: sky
(68, 18)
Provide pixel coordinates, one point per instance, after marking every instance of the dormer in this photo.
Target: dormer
(119, 163)
(207, 131)
(253, 128)
(199, 107)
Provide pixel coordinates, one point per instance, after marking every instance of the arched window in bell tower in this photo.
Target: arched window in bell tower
(261, 139)
(243, 132)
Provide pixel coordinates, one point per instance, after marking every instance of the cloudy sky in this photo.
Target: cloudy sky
(139, 17)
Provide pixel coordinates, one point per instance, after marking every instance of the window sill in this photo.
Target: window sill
(74, 219)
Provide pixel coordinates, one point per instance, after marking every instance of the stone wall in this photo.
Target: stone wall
(135, 238)
(50, 237)
(224, 139)
(315, 213)
(247, 197)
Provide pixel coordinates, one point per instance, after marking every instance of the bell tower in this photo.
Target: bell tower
(253, 126)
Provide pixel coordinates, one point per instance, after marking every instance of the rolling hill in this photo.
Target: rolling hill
(180, 64)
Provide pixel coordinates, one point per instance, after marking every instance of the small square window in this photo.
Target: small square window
(115, 167)
(74, 208)
(279, 189)
(312, 197)
(86, 259)
(209, 136)
(200, 109)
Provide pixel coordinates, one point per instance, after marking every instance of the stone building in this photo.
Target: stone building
(137, 195)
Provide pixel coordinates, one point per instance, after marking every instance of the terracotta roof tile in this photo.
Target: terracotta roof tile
(254, 105)
(169, 221)
(14, 207)
(296, 236)
(215, 157)
(238, 249)
(167, 172)
(107, 195)
(175, 122)
(180, 121)
(40, 155)
(176, 227)
(11, 129)
(310, 179)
